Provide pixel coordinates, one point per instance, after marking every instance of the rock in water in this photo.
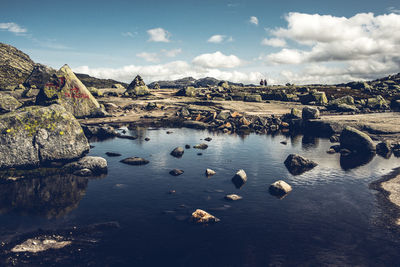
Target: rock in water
(296, 164)
(39, 245)
(35, 135)
(201, 146)
(137, 88)
(178, 152)
(233, 197)
(8, 103)
(356, 141)
(239, 179)
(202, 217)
(135, 161)
(96, 166)
(67, 90)
(176, 172)
(280, 188)
(210, 172)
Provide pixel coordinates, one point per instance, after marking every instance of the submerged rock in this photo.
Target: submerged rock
(201, 146)
(356, 141)
(36, 135)
(176, 172)
(296, 164)
(135, 161)
(66, 89)
(202, 217)
(113, 154)
(38, 245)
(97, 166)
(280, 188)
(178, 152)
(233, 197)
(239, 179)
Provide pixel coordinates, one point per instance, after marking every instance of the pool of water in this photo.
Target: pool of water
(330, 217)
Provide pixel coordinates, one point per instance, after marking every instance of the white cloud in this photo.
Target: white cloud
(12, 27)
(275, 42)
(253, 20)
(216, 39)
(172, 52)
(149, 57)
(158, 35)
(393, 10)
(365, 45)
(217, 60)
(169, 71)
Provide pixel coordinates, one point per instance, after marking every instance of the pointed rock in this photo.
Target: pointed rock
(67, 90)
(137, 88)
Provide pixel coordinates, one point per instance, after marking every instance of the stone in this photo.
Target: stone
(356, 141)
(137, 88)
(176, 172)
(188, 91)
(223, 115)
(233, 197)
(37, 135)
(95, 92)
(39, 76)
(239, 179)
(187, 146)
(297, 164)
(280, 188)
(253, 98)
(178, 152)
(348, 100)
(201, 146)
(223, 84)
(135, 161)
(66, 89)
(331, 151)
(113, 154)
(97, 165)
(110, 106)
(384, 149)
(296, 113)
(208, 139)
(202, 217)
(334, 139)
(101, 132)
(377, 102)
(8, 103)
(310, 113)
(83, 172)
(210, 172)
(195, 125)
(35, 245)
(318, 98)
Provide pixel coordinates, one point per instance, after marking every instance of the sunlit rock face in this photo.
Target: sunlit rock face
(50, 197)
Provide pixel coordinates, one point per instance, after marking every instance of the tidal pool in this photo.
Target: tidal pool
(330, 217)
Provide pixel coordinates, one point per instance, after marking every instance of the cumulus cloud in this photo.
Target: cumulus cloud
(275, 42)
(253, 20)
(217, 60)
(12, 27)
(158, 35)
(216, 39)
(169, 71)
(172, 52)
(364, 44)
(157, 56)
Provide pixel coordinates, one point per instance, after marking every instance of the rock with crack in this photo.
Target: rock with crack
(297, 164)
(202, 217)
(37, 135)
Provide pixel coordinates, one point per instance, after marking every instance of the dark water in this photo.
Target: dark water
(330, 218)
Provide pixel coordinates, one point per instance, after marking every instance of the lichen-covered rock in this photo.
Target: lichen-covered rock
(8, 103)
(118, 86)
(356, 141)
(66, 89)
(314, 96)
(297, 164)
(35, 135)
(189, 91)
(202, 217)
(310, 113)
(201, 146)
(95, 92)
(137, 88)
(377, 102)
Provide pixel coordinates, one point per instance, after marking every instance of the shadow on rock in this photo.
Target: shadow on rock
(354, 160)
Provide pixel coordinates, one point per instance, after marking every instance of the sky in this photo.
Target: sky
(300, 42)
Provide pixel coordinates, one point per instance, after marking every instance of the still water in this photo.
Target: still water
(330, 218)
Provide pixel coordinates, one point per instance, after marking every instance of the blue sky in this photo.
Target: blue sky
(236, 40)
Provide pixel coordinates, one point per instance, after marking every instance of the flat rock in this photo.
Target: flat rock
(201, 146)
(135, 161)
(202, 217)
(233, 197)
(38, 245)
(297, 164)
(97, 166)
(113, 154)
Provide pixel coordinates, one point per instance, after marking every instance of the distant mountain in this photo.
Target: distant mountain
(15, 66)
(190, 81)
(90, 81)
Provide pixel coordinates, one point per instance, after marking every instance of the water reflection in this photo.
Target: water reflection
(355, 160)
(50, 197)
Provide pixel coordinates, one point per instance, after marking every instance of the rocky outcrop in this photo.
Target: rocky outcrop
(297, 164)
(356, 141)
(15, 66)
(39, 76)
(66, 89)
(8, 103)
(36, 135)
(137, 88)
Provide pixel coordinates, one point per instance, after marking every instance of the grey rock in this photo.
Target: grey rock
(135, 161)
(356, 141)
(297, 164)
(178, 152)
(384, 149)
(310, 113)
(210, 172)
(195, 125)
(8, 103)
(201, 146)
(202, 217)
(239, 179)
(176, 172)
(97, 165)
(233, 197)
(280, 188)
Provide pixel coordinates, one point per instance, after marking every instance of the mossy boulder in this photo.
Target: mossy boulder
(66, 89)
(377, 102)
(36, 135)
(314, 96)
(224, 85)
(95, 92)
(8, 103)
(137, 88)
(189, 91)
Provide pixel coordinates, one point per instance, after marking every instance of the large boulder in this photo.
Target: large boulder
(36, 135)
(66, 89)
(356, 141)
(239, 179)
(297, 164)
(88, 165)
(310, 113)
(377, 102)
(314, 96)
(137, 88)
(39, 76)
(189, 91)
(8, 103)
